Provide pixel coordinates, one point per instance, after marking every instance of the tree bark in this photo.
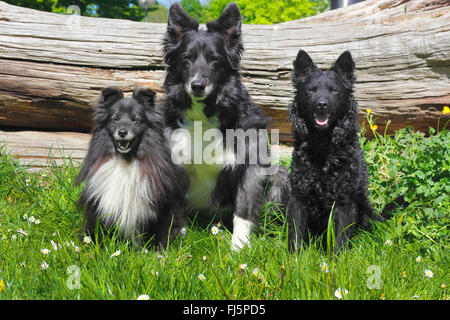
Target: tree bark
(52, 67)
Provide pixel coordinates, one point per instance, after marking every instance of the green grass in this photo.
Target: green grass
(407, 163)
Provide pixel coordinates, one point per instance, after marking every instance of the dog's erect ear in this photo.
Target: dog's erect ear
(146, 97)
(178, 22)
(109, 96)
(345, 66)
(303, 66)
(229, 24)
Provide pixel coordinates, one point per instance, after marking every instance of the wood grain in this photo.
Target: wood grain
(52, 71)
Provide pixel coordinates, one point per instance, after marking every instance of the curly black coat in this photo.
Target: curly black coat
(328, 171)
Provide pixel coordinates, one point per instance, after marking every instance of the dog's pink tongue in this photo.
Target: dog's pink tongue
(321, 122)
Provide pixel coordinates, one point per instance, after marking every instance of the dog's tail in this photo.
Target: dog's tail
(277, 190)
(386, 213)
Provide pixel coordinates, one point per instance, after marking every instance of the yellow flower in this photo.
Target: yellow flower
(443, 286)
(374, 127)
(446, 110)
(369, 111)
(2, 286)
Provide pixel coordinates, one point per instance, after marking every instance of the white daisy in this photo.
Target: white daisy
(87, 239)
(115, 254)
(419, 259)
(44, 265)
(143, 297)
(45, 251)
(324, 267)
(429, 273)
(388, 242)
(339, 293)
(215, 230)
(201, 276)
(23, 232)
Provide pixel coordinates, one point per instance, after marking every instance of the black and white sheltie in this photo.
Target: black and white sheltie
(203, 91)
(131, 183)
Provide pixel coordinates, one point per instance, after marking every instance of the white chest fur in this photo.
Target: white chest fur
(202, 168)
(123, 194)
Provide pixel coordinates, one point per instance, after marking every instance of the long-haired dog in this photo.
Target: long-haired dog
(328, 171)
(203, 86)
(131, 184)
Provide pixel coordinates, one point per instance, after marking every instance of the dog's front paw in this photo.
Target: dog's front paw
(238, 243)
(241, 233)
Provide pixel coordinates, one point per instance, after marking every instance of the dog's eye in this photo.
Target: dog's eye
(215, 58)
(187, 60)
(333, 90)
(312, 90)
(114, 117)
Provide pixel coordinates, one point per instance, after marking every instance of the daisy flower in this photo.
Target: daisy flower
(388, 242)
(32, 219)
(115, 254)
(419, 259)
(339, 293)
(77, 249)
(23, 232)
(215, 230)
(143, 297)
(428, 273)
(324, 267)
(25, 216)
(37, 221)
(44, 265)
(201, 277)
(87, 239)
(45, 251)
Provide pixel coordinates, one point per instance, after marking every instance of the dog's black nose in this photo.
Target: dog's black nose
(322, 104)
(198, 85)
(123, 133)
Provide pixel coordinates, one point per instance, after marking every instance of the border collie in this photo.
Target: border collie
(203, 88)
(131, 183)
(328, 170)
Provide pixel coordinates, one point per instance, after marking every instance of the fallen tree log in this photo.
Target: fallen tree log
(52, 67)
(36, 150)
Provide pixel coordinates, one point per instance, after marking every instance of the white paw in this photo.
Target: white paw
(241, 233)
